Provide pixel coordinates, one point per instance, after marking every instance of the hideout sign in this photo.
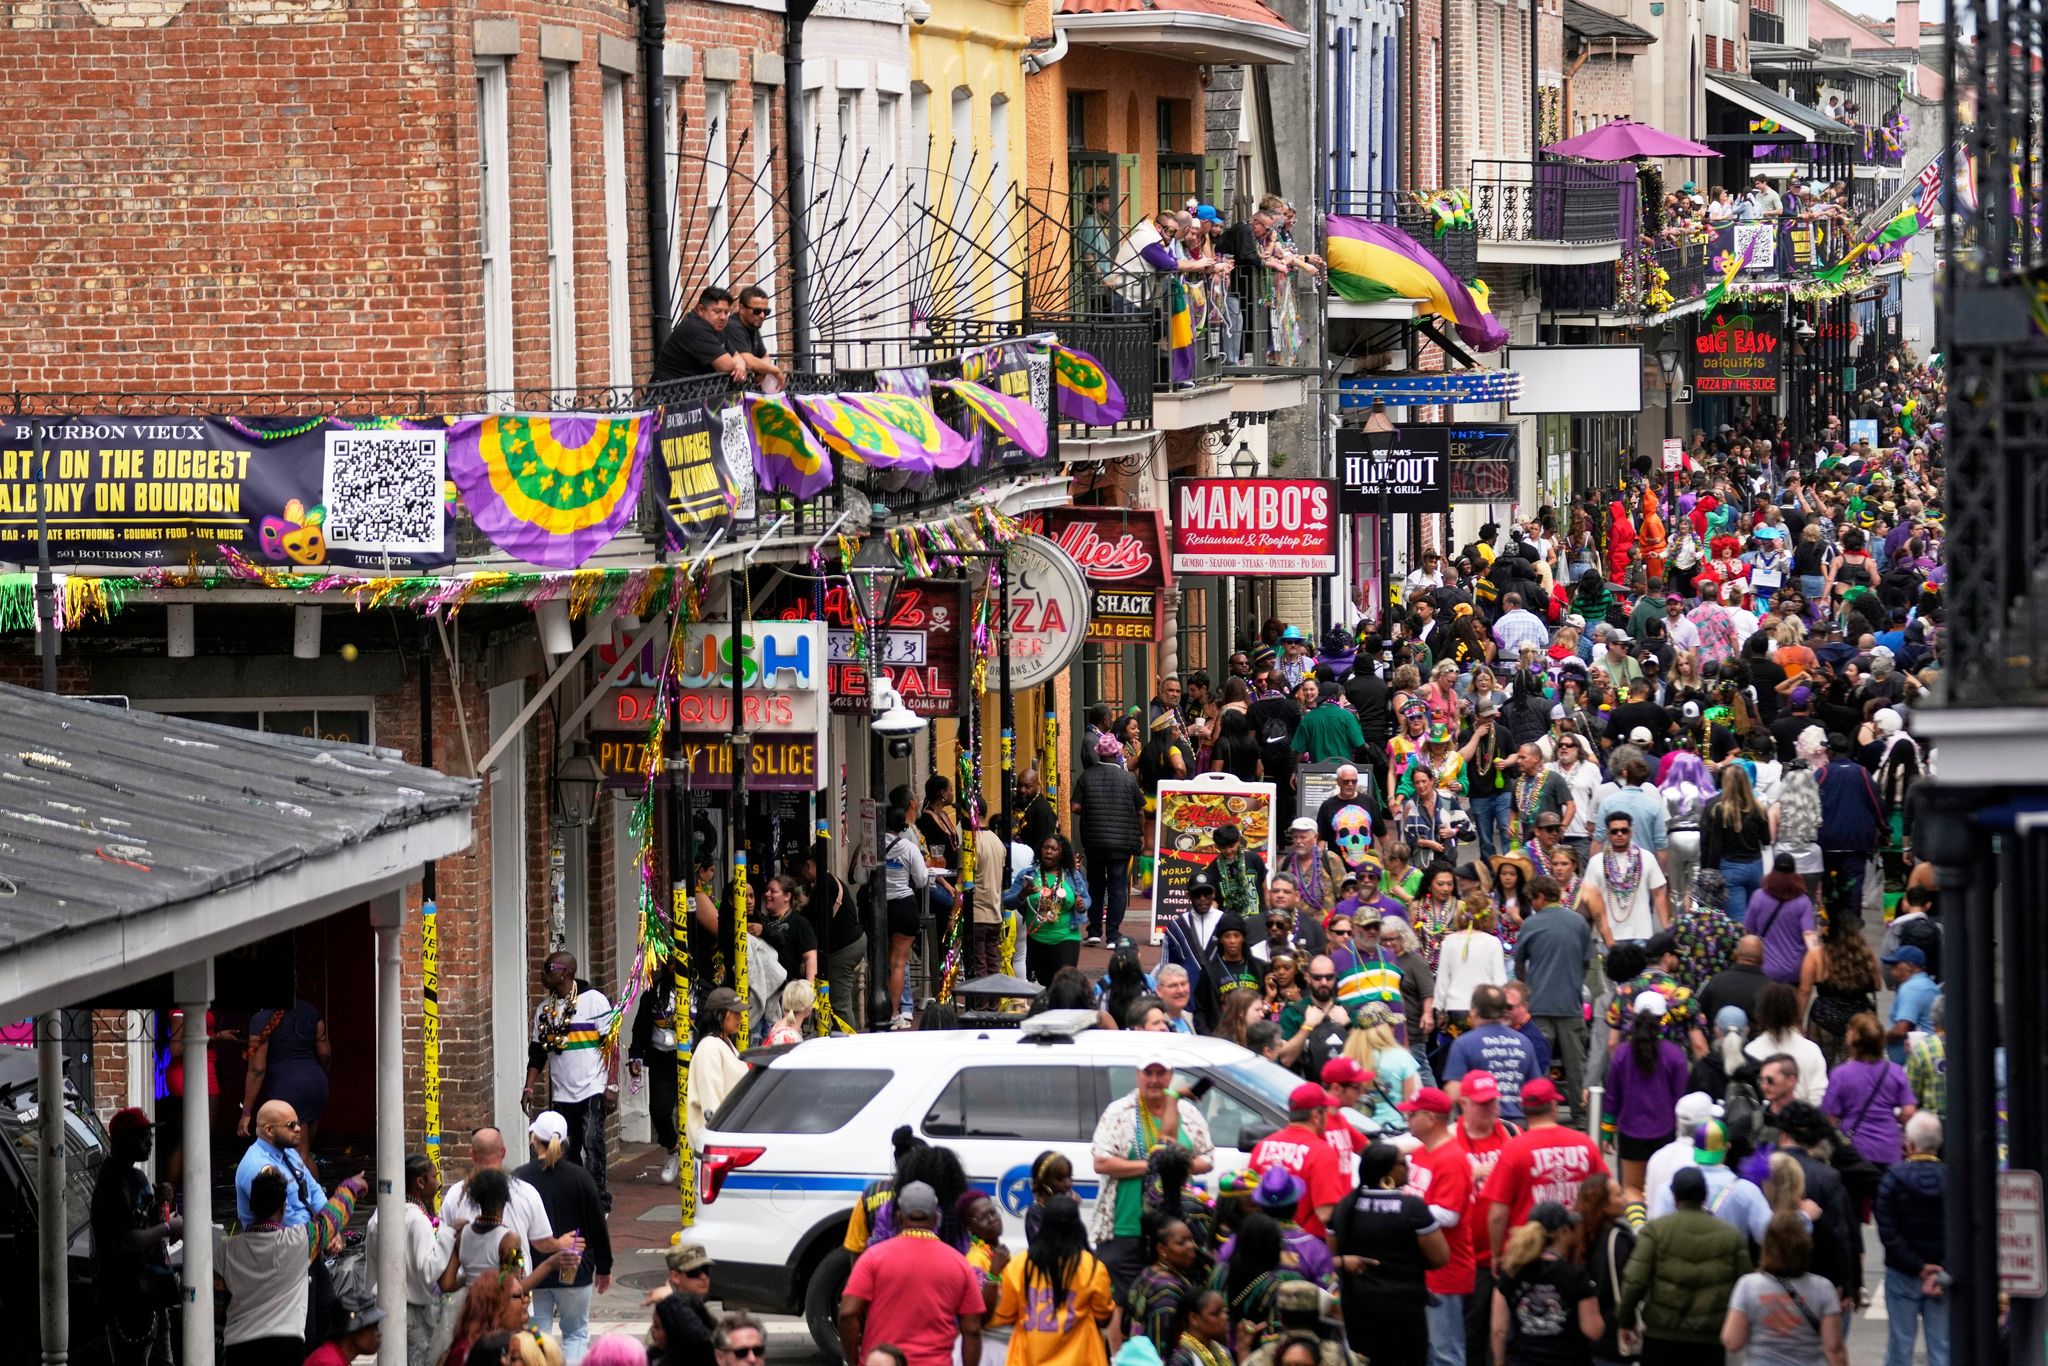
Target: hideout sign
(1405, 470)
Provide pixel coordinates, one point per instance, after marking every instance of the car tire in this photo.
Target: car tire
(821, 1301)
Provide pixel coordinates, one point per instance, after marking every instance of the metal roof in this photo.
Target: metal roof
(107, 814)
(1805, 123)
(1588, 22)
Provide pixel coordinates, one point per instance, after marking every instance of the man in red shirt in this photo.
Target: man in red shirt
(1347, 1082)
(1548, 1162)
(1302, 1150)
(1440, 1171)
(913, 1291)
(1481, 1136)
(361, 1335)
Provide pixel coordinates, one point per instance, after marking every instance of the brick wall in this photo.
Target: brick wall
(1602, 90)
(278, 195)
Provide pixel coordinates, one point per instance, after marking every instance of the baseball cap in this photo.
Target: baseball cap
(1153, 1057)
(1207, 213)
(1549, 820)
(1696, 1108)
(720, 1000)
(1639, 736)
(1801, 695)
(1540, 1091)
(1479, 1086)
(1344, 1072)
(1552, 1216)
(1649, 1003)
(362, 1316)
(918, 1198)
(1659, 944)
(1689, 1186)
(1906, 953)
(1489, 707)
(1201, 882)
(1710, 1143)
(1308, 1096)
(1430, 1099)
(1691, 711)
(128, 1121)
(1307, 823)
(1619, 638)
(549, 1127)
(689, 1257)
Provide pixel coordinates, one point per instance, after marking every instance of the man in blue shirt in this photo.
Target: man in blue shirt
(276, 1145)
(1493, 1047)
(1913, 1006)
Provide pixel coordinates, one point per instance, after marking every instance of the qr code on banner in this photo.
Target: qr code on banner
(382, 491)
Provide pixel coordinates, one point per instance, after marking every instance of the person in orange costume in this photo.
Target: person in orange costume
(1652, 535)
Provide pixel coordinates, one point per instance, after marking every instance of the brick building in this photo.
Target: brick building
(212, 204)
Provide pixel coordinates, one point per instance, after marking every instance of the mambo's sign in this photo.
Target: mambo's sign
(782, 669)
(777, 763)
(1254, 526)
(1739, 353)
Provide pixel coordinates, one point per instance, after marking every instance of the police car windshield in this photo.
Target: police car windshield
(1268, 1082)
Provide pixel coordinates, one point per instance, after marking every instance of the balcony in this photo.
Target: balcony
(1129, 318)
(1553, 213)
(1655, 283)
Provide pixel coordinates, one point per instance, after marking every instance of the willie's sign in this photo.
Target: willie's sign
(1122, 554)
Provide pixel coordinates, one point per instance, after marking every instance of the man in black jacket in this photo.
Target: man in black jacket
(1109, 816)
(1837, 1242)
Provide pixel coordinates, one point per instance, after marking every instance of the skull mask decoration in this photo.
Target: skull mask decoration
(1354, 835)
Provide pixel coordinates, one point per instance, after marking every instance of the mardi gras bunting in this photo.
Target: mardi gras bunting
(550, 489)
(856, 434)
(1086, 392)
(1015, 419)
(914, 418)
(787, 458)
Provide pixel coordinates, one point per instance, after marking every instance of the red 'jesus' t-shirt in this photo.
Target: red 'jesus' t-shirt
(1549, 1163)
(1480, 1155)
(1442, 1176)
(1304, 1152)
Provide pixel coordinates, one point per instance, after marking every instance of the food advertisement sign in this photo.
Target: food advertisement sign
(1738, 352)
(1264, 527)
(1189, 815)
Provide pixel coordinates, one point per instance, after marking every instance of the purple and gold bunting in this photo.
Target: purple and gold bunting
(1015, 419)
(1086, 392)
(859, 436)
(919, 426)
(550, 488)
(787, 457)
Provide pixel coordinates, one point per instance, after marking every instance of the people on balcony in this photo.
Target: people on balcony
(710, 340)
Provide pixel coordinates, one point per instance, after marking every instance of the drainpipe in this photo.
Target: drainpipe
(798, 11)
(1443, 99)
(654, 159)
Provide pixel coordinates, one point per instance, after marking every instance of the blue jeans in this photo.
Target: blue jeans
(1743, 877)
(1109, 892)
(1421, 1056)
(1906, 1309)
(1490, 814)
(1446, 1319)
(569, 1308)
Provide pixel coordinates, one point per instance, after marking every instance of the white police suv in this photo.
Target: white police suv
(789, 1153)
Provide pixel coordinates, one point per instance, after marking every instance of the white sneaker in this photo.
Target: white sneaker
(670, 1169)
(900, 1022)
(1094, 941)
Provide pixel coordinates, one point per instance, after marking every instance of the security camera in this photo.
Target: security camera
(900, 746)
(918, 12)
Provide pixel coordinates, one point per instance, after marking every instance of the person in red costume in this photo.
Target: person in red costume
(1621, 541)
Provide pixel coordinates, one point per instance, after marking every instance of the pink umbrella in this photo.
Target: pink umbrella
(1624, 139)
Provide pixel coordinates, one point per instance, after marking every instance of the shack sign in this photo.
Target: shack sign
(1264, 527)
(1738, 353)
(1123, 555)
(1405, 470)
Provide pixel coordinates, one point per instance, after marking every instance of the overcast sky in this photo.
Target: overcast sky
(1882, 9)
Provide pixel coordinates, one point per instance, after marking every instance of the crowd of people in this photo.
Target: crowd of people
(1610, 980)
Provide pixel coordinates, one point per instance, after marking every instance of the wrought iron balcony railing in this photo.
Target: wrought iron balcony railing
(1570, 203)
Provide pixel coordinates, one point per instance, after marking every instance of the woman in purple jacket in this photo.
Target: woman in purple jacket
(1643, 1087)
(1781, 914)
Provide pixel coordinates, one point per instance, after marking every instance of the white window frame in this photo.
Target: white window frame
(559, 183)
(717, 255)
(494, 228)
(889, 138)
(761, 149)
(167, 706)
(1001, 301)
(617, 246)
(949, 295)
(672, 156)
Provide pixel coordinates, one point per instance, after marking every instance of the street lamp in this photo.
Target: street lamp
(1667, 361)
(577, 780)
(1803, 334)
(875, 566)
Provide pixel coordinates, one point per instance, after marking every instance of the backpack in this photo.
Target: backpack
(1924, 934)
(1742, 1106)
